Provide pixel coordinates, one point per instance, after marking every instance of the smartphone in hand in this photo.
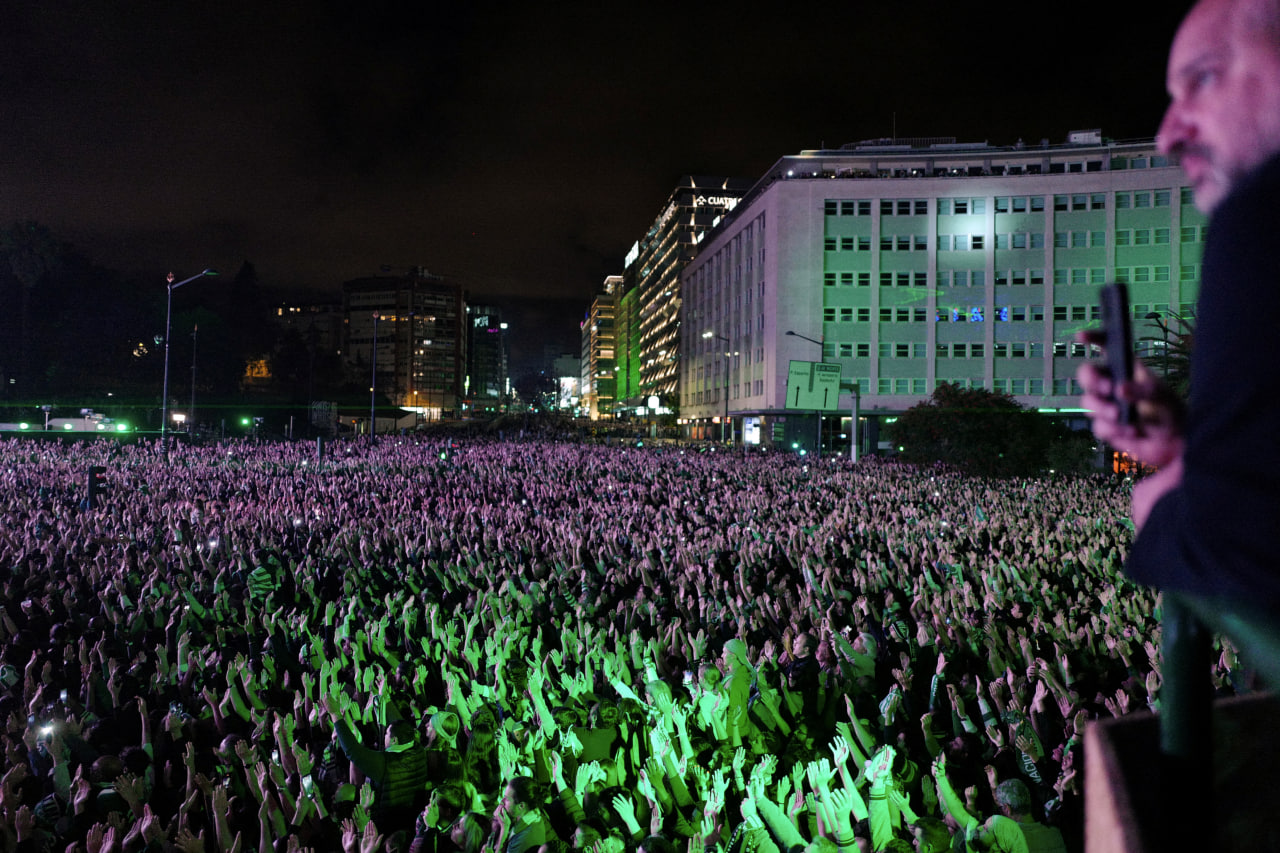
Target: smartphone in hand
(1119, 340)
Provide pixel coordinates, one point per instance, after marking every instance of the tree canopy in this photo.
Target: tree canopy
(983, 432)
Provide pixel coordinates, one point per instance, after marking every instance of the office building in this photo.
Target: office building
(599, 387)
(417, 322)
(488, 383)
(652, 270)
(910, 263)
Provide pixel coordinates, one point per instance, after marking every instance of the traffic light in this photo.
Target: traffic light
(97, 484)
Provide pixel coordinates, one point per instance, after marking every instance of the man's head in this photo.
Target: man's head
(1013, 797)
(931, 835)
(398, 733)
(1224, 87)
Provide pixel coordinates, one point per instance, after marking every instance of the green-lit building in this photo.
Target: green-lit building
(909, 263)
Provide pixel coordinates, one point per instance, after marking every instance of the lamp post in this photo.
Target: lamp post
(821, 358)
(191, 415)
(168, 321)
(373, 383)
(725, 420)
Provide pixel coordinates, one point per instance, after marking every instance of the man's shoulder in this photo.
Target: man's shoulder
(1253, 196)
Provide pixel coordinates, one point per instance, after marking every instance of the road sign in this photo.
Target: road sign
(812, 385)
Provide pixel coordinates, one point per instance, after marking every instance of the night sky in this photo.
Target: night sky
(517, 148)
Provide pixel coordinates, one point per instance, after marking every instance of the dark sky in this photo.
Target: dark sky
(519, 148)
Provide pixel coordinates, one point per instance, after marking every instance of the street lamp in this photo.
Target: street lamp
(373, 383)
(708, 335)
(168, 321)
(817, 450)
(191, 415)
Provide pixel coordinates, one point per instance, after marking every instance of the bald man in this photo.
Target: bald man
(1206, 519)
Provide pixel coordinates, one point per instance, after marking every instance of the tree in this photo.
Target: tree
(1177, 334)
(31, 255)
(981, 431)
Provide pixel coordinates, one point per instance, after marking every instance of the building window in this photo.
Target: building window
(864, 279)
(864, 315)
(977, 241)
(863, 350)
(829, 279)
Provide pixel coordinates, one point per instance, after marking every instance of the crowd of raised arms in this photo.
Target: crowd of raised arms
(511, 646)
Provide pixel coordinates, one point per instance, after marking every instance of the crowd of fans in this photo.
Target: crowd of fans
(525, 645)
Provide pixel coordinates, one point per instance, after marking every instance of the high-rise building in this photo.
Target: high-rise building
(917, 262)
(488, 384)
(653, 270)
(417, 321)
(599, 386)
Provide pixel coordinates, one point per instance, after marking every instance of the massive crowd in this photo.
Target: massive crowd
(511, 646)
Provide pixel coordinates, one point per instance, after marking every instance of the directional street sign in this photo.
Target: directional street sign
(813, 386)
